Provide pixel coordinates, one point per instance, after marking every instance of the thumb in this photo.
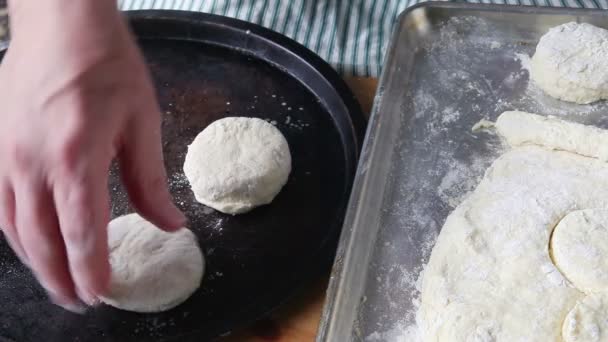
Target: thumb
(143, 173)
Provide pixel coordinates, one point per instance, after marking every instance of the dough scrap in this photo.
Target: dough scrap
(237, 164)
(152, 270)
(580, 249)
(490, 276)
(571, 63)
(521, 128)
(588, 321)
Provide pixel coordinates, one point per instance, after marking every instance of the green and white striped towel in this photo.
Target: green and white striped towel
(351, 35)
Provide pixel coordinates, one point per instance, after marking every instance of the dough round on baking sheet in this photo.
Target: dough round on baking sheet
(237, 164)
(580, 249)
(152, 270)
(571, 63)
(588, 320)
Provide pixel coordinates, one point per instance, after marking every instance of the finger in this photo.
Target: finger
(83, 209)
(7, 220)
(36, 223)
(144, 176)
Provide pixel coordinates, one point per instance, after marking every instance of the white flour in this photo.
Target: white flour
(459, 180)
(490, 276)
(491, 264)
(571, 63)
(454, 89)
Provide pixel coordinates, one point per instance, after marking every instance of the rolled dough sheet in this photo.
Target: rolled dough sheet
(490, 276)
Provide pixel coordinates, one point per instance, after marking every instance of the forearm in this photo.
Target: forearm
(72, 20)
(87, 30)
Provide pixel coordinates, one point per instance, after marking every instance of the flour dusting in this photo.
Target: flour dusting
(571, 63)
(454, 85)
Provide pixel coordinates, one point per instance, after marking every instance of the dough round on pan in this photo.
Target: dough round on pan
(237, 164)
(580, 249)
(152, 270)
(571, 63)
(588, 320)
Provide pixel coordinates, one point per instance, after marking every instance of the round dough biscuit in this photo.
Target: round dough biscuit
(588, 320)
(152, 270)
(571, 63)
(237, 164)
(579, 247)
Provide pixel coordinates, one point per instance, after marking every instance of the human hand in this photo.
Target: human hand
(75, 94)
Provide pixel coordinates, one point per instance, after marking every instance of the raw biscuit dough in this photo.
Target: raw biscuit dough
(579, 246)
(237, 163)
(490, 276)
(571, 63)
(588, 321)
(521, 128)
(152, 270)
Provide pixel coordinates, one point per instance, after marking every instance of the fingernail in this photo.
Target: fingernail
(70, 305)
(86, 297)
(177, 218)
(76, 308)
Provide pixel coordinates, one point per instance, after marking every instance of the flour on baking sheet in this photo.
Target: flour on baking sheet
(449, 92)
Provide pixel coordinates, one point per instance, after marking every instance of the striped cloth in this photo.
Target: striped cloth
(351, 35)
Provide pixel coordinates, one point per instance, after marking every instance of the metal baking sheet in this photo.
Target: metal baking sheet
(205, 68)
(448, 67)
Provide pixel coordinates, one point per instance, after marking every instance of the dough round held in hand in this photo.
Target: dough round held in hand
(571, 63)
(579, 246)
(237, 164)
(152, 270)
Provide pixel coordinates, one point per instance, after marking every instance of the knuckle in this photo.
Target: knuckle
(79, 199)
(67, 157)
(79, 230)
(40, 250)
(69, 151)
(79, 239)
(47, 252)
(72, 99)
(21, 158)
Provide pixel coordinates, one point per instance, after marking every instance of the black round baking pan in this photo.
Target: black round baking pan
(205, 68)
